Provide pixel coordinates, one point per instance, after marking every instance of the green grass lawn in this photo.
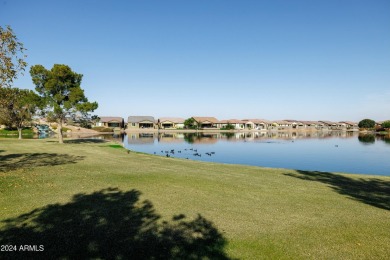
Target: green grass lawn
(93, 199)
(14, 132)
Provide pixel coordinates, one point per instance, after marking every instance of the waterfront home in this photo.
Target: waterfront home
(261, 124)
(257, 124)
(171, 123)
(223, 123)
(311, 125)
(328, 125)
(238, 124)
(141, 122)
(249, 124)
(296, 124)
(348, 125)
(281, 125)
(110, 122)
(206, 122)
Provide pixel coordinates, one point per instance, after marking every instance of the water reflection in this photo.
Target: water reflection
(385, 138)
(140, 138)
(366, 138)
(321, 151)
(116, 137)
(210, 138)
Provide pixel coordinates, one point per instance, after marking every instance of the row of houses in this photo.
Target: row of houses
(149, 122)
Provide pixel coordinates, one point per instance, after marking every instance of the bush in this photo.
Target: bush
(386, 124)
(190, 123)
(366, 123)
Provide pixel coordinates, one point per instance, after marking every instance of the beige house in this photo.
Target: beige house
(206, 122)
(110, 122)
(259, 124)
(171, 123)
(281, 125)
(296, 124)
(238, 124)
(311, 125)
(249, 124)
(141, 122)
(329, 125)
(348, 125)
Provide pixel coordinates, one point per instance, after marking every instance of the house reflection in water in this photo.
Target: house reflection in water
(140, 138)
(210, 138)
(170, 137)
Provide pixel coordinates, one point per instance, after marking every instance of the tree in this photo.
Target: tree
(386, 124)
(85, 121)
(61, 89)
(17, 107)
(11, 57)
(90, 122)
(189, 123)
(366, 123)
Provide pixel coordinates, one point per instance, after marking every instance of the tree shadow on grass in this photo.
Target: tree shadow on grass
(84, 141)
(374, 192)
(111, 224)
(11, 162)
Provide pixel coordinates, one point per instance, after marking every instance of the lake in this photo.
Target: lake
(318, 151)
(315, 151)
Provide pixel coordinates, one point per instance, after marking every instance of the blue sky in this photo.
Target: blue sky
(308, 60)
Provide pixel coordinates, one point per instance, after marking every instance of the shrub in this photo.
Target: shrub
(190, 123)
(386, 124)
(367, 123)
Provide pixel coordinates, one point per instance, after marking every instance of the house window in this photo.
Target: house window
(132, 124)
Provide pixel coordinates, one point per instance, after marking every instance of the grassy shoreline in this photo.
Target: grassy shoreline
(262, 212)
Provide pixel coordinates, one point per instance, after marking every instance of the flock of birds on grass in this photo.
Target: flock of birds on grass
(191, 150)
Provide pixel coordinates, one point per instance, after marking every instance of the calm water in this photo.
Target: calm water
(331, 152)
